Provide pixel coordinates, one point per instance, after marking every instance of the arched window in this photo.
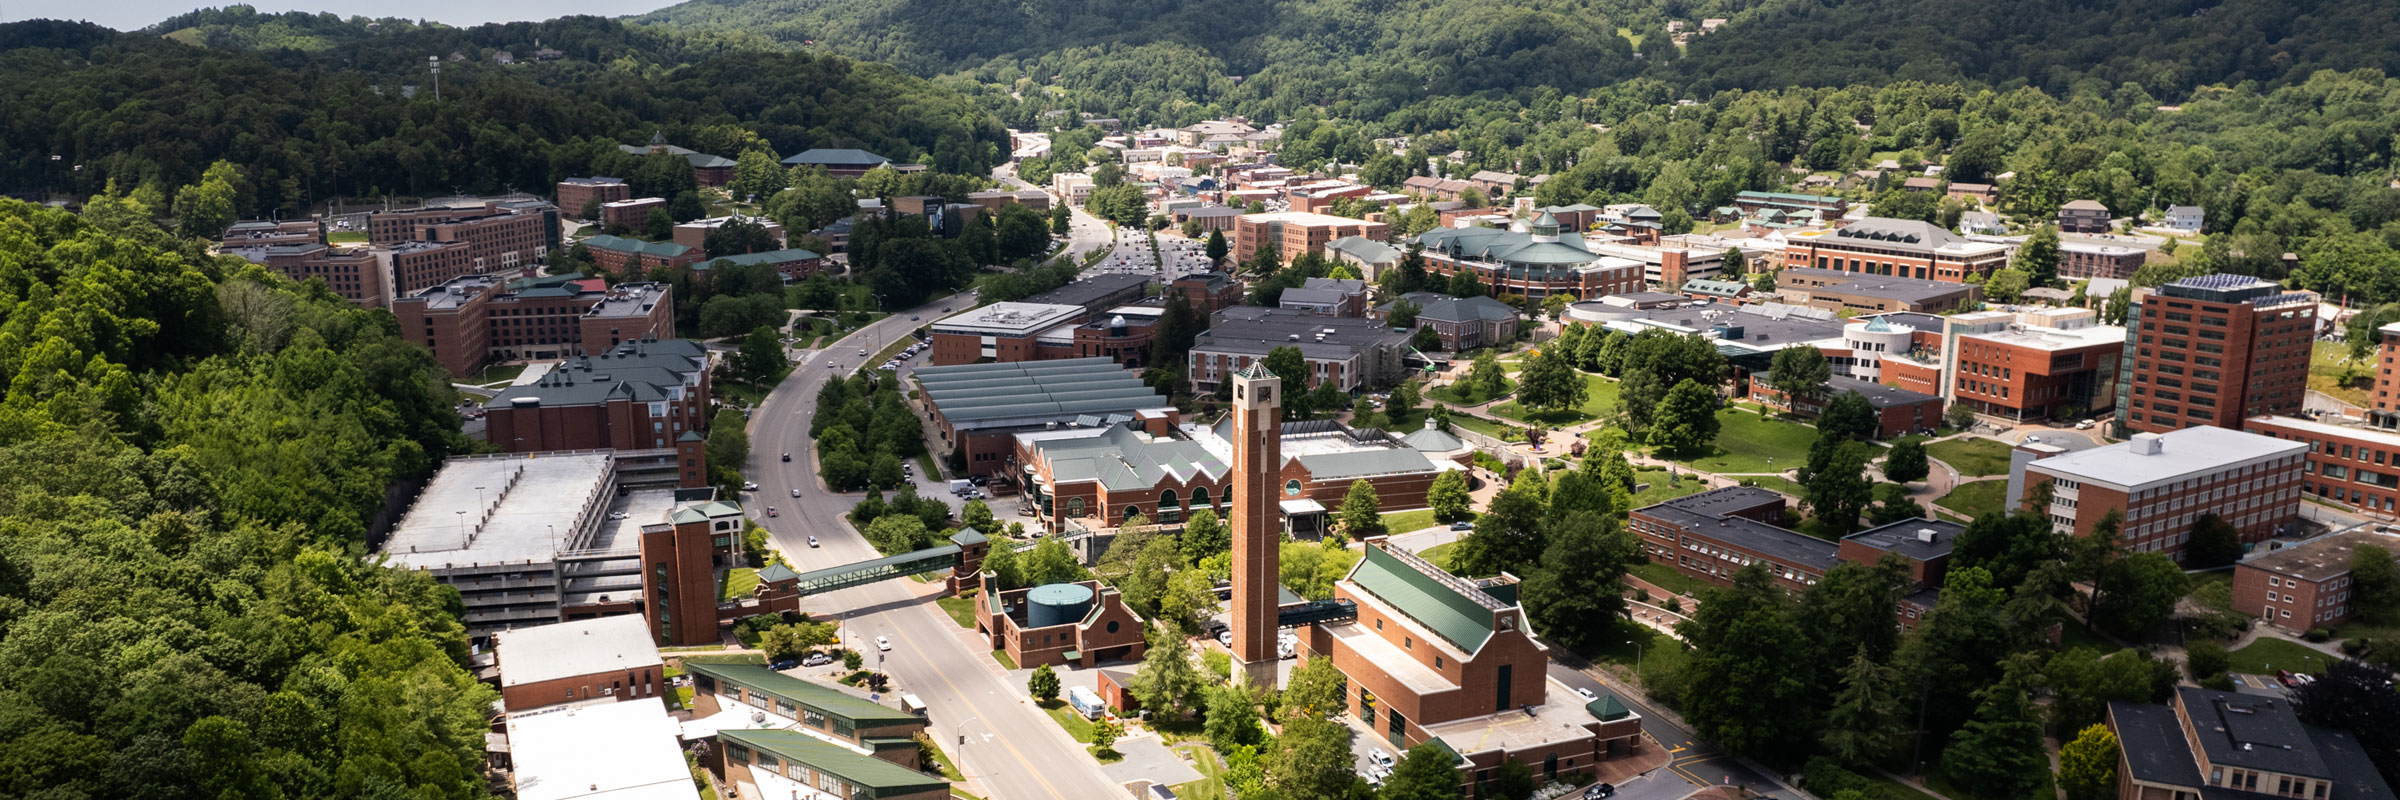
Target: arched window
(1200, 496)
(1131, 512)
(1170, 508)
(1228, 495)
(1074, 506)
(1291, 488)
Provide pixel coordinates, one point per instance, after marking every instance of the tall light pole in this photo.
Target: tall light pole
(1637, 656)
(462, 528)
(435, 63)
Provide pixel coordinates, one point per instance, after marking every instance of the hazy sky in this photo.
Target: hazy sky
(133, 14)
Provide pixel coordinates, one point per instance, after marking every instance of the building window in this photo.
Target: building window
(1291, 488)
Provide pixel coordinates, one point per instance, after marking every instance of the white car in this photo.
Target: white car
(1587, 693)
(812, 541)
(616, 515)
(882, 643)
(749, 486)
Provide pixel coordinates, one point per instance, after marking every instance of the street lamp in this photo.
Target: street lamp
(462, 527)
(1637, 655)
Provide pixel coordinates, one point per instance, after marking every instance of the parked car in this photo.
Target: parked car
(816, 660)
(1587, 694)
(1225, 637)
(882, 643)
(787, 457)
(1462, 525)
(1599, 791)
(782, 665)
(1380, 758)
(812, 541)
(616, 515)
(750, 486)
(2084, 425)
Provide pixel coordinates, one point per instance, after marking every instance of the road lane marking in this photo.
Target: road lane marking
(944, 677)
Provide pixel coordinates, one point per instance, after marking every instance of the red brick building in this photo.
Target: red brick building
(469, 321)
(619, 255)
(2307, 585)
(641, 395)
(632, 213)
(1923, 545)
(577, 194)
(980, 408)
(2017, 372)
(2357, 465)
(1208, 292)
(1897, 411)
(792, 264)
(2087, 260)
(1537, 262)
(607, 657)
(2163, 483)
(1896, 248)
(694, 234)
(1002, 332)
(2214, 350)
(1083, 624)
(273, 233)
(1714, 534)
(359, 275)
(679, 563)
(1296, 232)
(1104, 475)
(500, 236)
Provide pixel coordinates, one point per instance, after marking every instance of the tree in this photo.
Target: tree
(728, 446)
(1051, 562)
(1104, 735)
(1686, 421)
(1555, 305)
(784, 642)
(977, 514)
(1425, 339)
(1425, 772)
(2142, 590)
(2214, 543)
(1043, 685)
(1062, 221)
(1549, 382)
(203, 210)
(1401, 402)
(1906, 463)
(2007, 285)
(1312, 760)
(2205, 661)
(1579, 591)
(1485, 380)
(1362, 516)
(2087, 766)
(1742, 638)
(1859, 726)
(1403, 314)
(2038, 257)
(1958, 416)
(685, 206)
(2000, 749)
(2377, 582)
(762, 356)
(1204, 535)
(1799, 372)
(1514, 780)
(2083, 683)
(1959, 647)
(1232, 718)
(1167, 683)
(1449, 497)
(660, 225)
(2355, 696)
(756, 174)
(893, 534)
(852, 660)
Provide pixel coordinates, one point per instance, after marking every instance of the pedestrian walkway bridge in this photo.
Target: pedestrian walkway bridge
(878, 570)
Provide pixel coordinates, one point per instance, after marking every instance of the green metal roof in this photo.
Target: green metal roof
(1442, 609)
(967, 536)
(777, 572)
(765, 257)
(1608, 709)
(625, 245)
(830, 701)
(880, 778)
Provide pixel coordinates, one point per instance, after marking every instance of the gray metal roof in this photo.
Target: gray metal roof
(1033, 391)
(1365, 463)
(638, 371)
(1123, 460)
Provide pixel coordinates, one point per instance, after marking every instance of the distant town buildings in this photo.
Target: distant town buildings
(2083, 216)
(708, 170)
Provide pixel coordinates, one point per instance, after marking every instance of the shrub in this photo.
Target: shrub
(2317, 635)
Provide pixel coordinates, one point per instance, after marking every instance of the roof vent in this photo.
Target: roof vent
(1927, 535)
(2145, 444)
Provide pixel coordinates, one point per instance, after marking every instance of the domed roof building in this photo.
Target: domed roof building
(1533, 257)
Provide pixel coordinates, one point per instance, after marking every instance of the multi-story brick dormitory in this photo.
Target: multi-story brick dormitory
(2214, 350)
(1717, 533)
(2210, 744)
(1207, 292)
(1897, 248)
(360, 275)
(632, 213)
(577, 194)
(1352, 353)
(2161, 484)
(1101, 474)
(472, 320)
(273, 233)
(2089, 260)
(1838, 290)
(1296, 232)
(1538, 261)
(2307, 585)
(501, 235)
(642, 395)
(1331, 297)
(633, 258)
(2353, 463)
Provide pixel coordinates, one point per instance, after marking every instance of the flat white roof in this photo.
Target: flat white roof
(618, 751)
(569, 649)
(2182, 454)
(522, 503)
(1008, 319)
(2359, 432)
(2056, 338)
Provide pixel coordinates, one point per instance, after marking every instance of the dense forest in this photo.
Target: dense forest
(190, 447)
(90, 106)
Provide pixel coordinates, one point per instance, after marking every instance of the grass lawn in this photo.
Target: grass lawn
(1775, 482)
(1972, 457)
(932, 469)
(497, 373)
(2326, 370)
(1105, 755)
(2072, 635)
(1069, 719)
(1665, 577)
(1560, 417)
(949, 770)
(1630, 644)
(346, 237)
(1975, 499)
(1746, 442)
(1660, 491)
(1600, 396)
(960, 609)
(1478, 424)
(1211, 785)
(2265, 656)
(1406, 521)
(1453, 393)
(1005, 661)
(1439, 554)
(738, 583)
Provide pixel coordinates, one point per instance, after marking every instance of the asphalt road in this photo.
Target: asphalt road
(1014, 750)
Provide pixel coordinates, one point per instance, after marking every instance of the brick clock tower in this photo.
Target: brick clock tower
(1257, 462)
